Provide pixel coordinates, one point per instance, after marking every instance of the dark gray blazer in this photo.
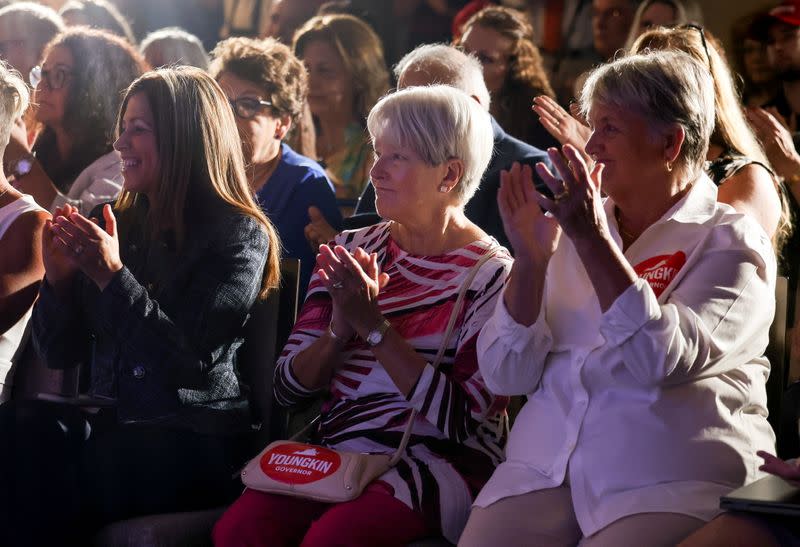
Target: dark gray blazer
(162, 337)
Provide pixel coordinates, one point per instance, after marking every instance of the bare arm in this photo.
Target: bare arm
(751, 191)
(21, 268)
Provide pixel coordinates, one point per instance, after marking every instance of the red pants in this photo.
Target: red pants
(375, 518)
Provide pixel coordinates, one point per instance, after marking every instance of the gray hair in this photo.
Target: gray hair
(14, 99)
(176, 47)
(448, 66)
(438, 123)
(667, 88)
(39, 23)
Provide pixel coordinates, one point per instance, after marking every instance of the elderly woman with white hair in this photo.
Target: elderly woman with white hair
(375, 316)
(635, 325)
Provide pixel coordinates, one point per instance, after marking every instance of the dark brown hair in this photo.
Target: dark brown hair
(202, 166)
(270, 65)
(105, 65)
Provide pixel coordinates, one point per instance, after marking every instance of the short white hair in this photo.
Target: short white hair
(14, 100)
(177, 47)
(438, 123)
(665, 87)
(447, 65)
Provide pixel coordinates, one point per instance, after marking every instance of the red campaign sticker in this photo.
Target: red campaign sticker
(659, 270)
(297, 463)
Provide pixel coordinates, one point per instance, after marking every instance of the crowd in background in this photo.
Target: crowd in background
(160, 158)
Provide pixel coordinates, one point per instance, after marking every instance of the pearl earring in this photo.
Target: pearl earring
(443, 188)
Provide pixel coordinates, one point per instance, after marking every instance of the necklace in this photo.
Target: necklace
(626, 235)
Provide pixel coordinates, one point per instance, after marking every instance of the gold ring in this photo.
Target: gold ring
(561, 195)
(337, 285)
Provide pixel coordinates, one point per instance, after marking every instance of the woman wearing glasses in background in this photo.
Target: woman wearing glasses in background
(267, 87)
(735, 160)
(502, 40)
(78, 90)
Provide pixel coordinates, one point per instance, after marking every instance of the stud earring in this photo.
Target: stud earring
(443, 188)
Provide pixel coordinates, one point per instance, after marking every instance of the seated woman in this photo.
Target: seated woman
(78, 92)
(395, 284)
(152, 300)
(21, 224)
(502, 40)
(636, 326)
(267, 87)
(736, 161)
(346, 76)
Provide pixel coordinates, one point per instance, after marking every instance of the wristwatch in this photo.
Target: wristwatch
(22, 167)
(375, 336)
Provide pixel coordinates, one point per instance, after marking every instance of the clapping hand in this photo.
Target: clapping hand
(776, 139)
(85, 245)
(577, 201)
(532, 234)
(564, 126)
(59, 266)
(354, 282)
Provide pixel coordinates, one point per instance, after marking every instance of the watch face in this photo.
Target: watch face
(23, 167)
(374, 338)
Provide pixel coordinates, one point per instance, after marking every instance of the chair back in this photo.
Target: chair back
(266, 331)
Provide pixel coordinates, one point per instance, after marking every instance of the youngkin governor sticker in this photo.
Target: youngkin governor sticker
(658, 271)
(297, 463)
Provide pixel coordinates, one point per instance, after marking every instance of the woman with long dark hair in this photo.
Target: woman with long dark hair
(151, 300)
(78, 89)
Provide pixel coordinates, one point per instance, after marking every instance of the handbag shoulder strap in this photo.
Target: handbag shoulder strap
(462, 292)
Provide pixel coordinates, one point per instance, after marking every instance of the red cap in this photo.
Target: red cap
(788, 12)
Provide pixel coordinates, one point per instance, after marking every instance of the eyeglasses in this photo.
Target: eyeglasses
(247, 108)
(55, 78)
(698, 28)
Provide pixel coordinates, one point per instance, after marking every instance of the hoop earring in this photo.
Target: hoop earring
(669, 166)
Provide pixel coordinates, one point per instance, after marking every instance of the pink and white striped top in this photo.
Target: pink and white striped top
(459, 433)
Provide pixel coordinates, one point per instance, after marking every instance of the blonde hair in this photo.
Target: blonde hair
(731, 128)
(360, 50)
(202, 167)
(14, 99)
(439, 123)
